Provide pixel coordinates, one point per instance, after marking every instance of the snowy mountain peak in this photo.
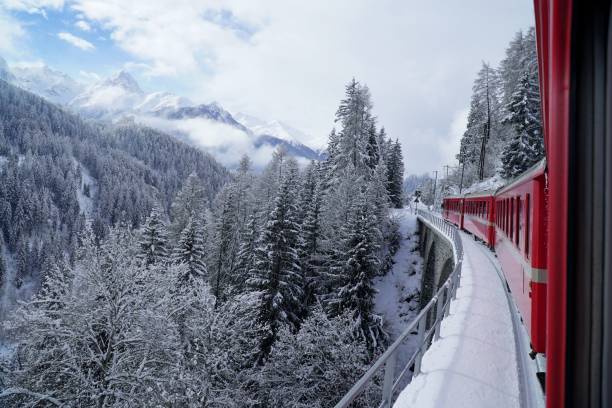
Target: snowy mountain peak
(159, 102)
(124, 80)
(274, 128)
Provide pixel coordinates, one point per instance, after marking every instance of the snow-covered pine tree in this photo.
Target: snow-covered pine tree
(154, 238)
(308, 182)
(244, 196)
(316, 366)
(383, 144)
(354, 114)
(356, 269)
(95, 336)
(395, 175)
(373, 148)
(188, 204)
(377, 197)
(512, 67)
(476, 158)
(222, 241)
(246, 255)
(312, 256)
(57, 285)
(190, 251)
(276, 275)
(527, 146)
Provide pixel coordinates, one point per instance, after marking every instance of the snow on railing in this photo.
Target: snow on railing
(438, 307)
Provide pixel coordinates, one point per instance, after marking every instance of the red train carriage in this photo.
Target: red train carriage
(575, 62)
(453, 210)
(520, 244)
(575, 65)
(479, 216)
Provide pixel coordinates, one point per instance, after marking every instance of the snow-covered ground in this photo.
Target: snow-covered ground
(474, 363)
(397, 299)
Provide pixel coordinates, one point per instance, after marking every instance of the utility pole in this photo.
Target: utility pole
(434, 190)
(446, 166)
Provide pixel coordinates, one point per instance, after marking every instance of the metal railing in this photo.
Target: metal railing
(427, 330)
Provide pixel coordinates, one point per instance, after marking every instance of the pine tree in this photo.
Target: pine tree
(245, 256)
(395, 175)
(190, 251)
(354, 114)
(311, 252)
(223, 244)
(316, 366)
(276, 275)
(373, 148)
(355, 292)
(154, 238)
(477, 156)
(527, 146)
(188, 204)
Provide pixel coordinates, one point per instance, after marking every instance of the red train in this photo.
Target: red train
(553, 225)
(512, 221)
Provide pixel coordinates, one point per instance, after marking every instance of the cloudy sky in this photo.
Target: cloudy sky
(283, 59)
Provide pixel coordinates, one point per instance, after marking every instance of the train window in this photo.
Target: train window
(505, 221)
(527, 224)
(511, 218)
(519, 205)
(506, 216)
(497, 213)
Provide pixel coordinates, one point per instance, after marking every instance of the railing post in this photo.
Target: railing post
(449, 293)
(456, 285)
(419, 357)
(439, 312)
(387, 392)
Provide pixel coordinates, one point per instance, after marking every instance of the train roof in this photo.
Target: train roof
(534, 170)
(530, 173)
(480, 193)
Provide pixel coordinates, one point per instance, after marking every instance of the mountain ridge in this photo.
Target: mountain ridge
(120, 96)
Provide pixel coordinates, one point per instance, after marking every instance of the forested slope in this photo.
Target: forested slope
(44, 152)
(262, 298)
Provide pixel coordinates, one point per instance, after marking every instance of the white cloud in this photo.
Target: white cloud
(227, 143)
(11, 33)
(33, 6)
(290, 60)
(76, 41)
(83, 25)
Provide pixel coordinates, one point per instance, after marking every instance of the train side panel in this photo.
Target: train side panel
(521, 249)
(478, 217)
(453, 211)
